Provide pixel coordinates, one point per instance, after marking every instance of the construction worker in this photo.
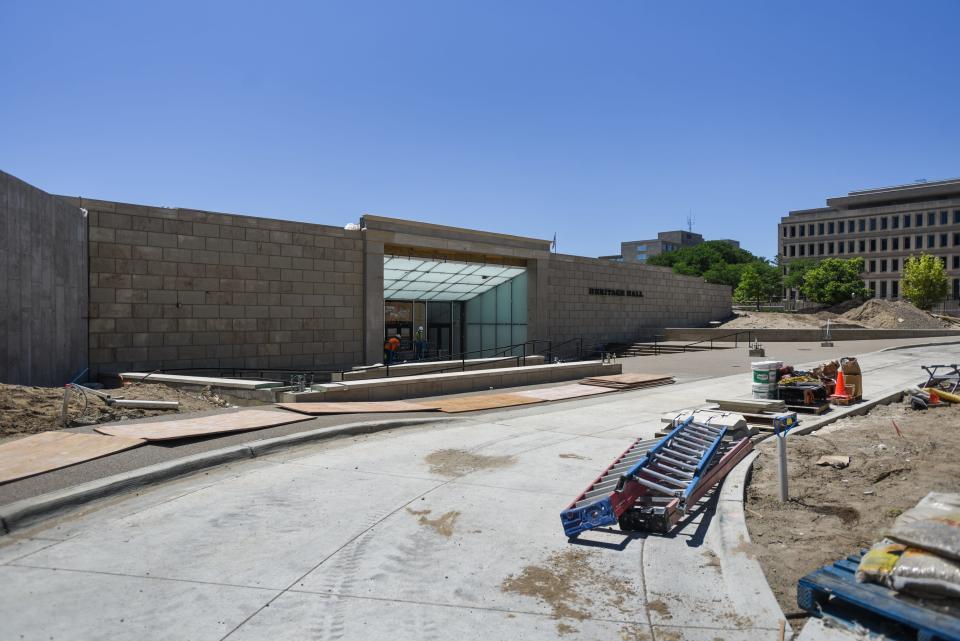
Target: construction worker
(419, 344)
(394, 344)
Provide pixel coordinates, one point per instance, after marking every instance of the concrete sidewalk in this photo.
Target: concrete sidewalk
(447, 530)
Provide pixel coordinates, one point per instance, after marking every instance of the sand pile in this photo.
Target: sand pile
(886, 314)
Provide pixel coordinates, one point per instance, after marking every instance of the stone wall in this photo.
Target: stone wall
(568, 309)
(180, 288)
(43, 286)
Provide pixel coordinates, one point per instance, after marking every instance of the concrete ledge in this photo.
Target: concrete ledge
(434, 367)
(392, 389)
(21, 514)
(799, 335)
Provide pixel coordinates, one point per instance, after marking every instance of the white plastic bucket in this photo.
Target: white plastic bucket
(765, 372)
(764, 390)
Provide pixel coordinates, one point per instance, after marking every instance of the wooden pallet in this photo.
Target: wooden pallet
(816, 410)
(843, 402)
(757, 406)
(833, 591)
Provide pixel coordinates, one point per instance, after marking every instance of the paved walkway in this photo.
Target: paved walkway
(449, 531)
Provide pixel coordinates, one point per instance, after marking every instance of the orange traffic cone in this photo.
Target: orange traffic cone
(840, 389)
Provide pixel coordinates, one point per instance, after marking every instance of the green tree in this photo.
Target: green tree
(924, 281)
(834, 280)
(758, 283)
(716, 260)
(796, 270)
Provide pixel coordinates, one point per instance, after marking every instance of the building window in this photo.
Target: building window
(873, 244)
(840, 227)
(873, 288)
(906, 243)
(956, 262)
(793, 250)
(883, 265)
(931, 241)
(883, 244)
(896, 243)
(956, 216)
(894, 264)
(956, 288)
(820, 229)
(810, 229)
(883, 289)
(803, 250)
(810, 249)
(830, 228)
(863, 246)
(803, 230)
(943, 240)
(906, 221)
(944, 216)
(956, 238)
(829, 248)
(883, 223)
(919, 242)
(895, 289)
(943, 259)
(873, 224)
(895, 222)
(840, 247)
(873, 266)
(820, 249)
(918, 220)
(862, 224)
(785, 232)
(931, 218)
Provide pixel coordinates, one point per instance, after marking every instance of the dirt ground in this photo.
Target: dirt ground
(28, 410)
(835, 512)
(873, 314)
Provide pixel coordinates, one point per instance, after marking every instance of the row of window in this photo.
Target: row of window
(895, 243)
(896, 221)
(880, 288)
(893, 264)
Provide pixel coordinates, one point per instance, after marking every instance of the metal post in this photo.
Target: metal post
(782, 466)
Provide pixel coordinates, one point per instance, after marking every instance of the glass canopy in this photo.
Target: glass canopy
(422, 279)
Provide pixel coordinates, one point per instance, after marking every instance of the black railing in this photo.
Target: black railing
(658, 338)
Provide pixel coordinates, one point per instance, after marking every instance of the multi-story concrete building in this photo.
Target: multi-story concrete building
(638, 251)
(884, 226)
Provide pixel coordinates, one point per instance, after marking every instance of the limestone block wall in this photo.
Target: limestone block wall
(43, 286)
(568, 309)
(181, 288)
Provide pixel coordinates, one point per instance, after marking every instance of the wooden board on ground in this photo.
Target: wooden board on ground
(755, 406)
(561, 392)
(810, 409)
(359, 407)
(241, 421)
(628, 381)
(53, 450)
(484, 402)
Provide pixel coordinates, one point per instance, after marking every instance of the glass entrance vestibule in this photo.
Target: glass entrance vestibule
(463, 307)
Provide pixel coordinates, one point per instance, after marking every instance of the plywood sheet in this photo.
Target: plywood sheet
(202, 425)
(52, 450)
(562, 392)
(483, 402)
(359, 407)
(628, 381)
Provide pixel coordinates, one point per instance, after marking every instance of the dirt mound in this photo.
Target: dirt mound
(888, 314)
(28, 410)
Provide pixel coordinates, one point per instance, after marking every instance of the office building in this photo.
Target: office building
(884, 226)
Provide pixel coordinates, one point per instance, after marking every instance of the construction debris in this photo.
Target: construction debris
(628, 381)
(837, 461)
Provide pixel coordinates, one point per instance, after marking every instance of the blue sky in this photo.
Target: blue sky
(597, 121)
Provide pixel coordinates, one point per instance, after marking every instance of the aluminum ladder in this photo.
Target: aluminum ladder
(653, 482)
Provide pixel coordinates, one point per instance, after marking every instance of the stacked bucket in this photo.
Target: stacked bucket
(765, 378)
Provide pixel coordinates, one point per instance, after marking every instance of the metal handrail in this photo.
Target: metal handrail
(462, 357)
(735, 335)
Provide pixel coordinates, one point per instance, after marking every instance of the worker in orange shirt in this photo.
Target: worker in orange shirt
(390, 348)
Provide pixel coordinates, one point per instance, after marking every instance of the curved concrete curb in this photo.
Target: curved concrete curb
(897, 347)
(20, 514)
(737, 563)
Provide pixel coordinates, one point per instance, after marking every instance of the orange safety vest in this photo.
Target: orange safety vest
(394, 344)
